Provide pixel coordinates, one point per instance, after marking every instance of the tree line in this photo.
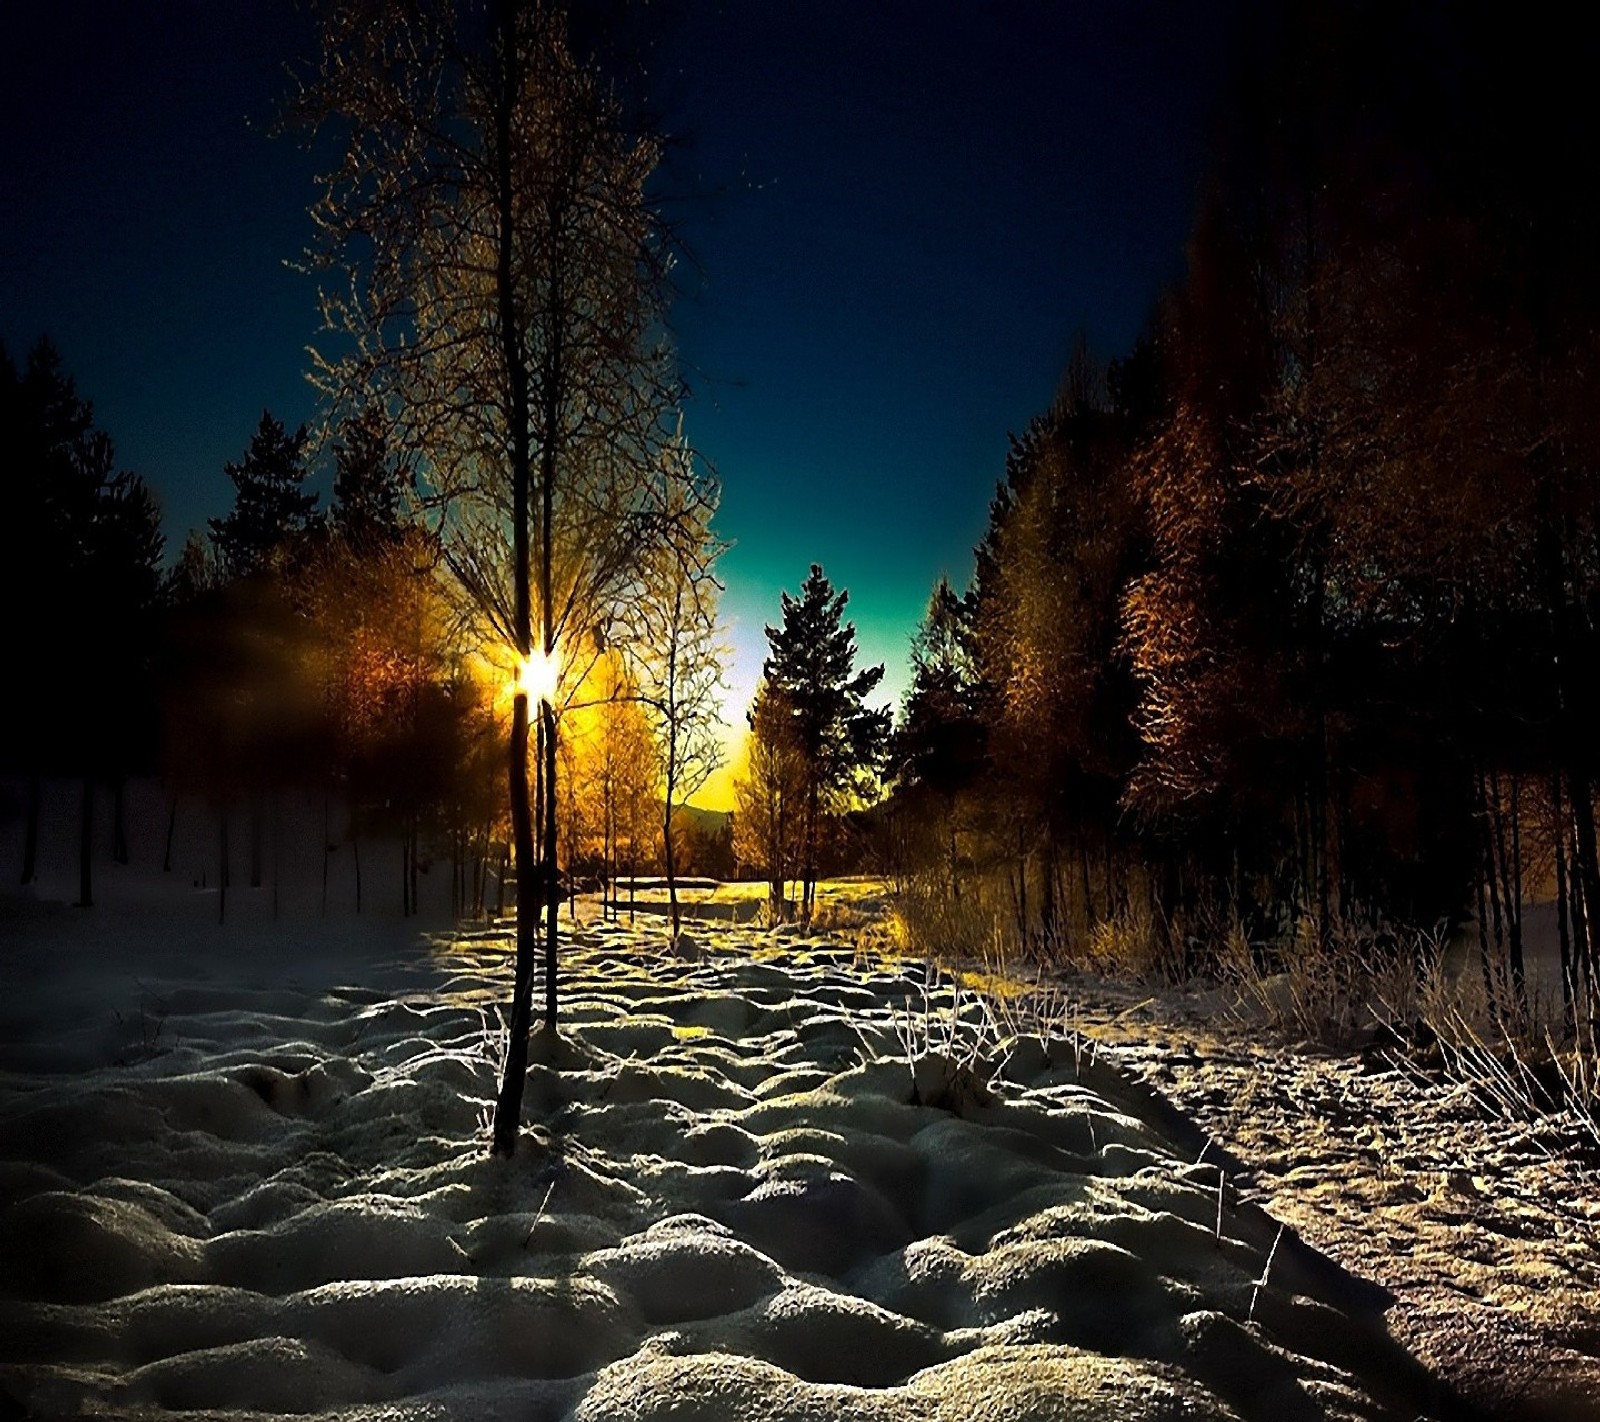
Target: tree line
(521, 534)
(1287, 616)
(290, 649)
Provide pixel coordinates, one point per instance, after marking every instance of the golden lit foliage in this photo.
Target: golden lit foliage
(769, 792)
(383, 634)
(612, 778)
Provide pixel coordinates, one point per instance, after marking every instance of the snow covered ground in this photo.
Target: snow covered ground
(1485, 1232)
(243, 1174)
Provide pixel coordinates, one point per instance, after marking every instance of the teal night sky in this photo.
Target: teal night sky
(901, 215)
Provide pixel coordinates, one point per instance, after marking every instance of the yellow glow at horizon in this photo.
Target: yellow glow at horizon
(538, 677)
(717, 792)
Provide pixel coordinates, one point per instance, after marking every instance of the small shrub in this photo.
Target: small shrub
(1522, 1059)
(927, 919)
(1136, 947)
(1330, 987)
(830, 916)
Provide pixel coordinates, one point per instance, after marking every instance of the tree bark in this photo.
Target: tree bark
(667, 858)
(1563, 929)
(86, 846)
(552, 879)
(30, 840)
(119, 825)
(508, 1105)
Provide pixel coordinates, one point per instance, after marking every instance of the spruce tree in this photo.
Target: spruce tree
(839, 738)
(89, 567)
(271, 508)
(368, 483)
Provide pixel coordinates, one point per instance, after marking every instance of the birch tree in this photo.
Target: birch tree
(502, 283)
(678, 648)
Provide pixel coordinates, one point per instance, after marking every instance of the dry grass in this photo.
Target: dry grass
(1355, 986)
(1134, 947)
(1521, 1058)
(1327, 987)
(927, 920)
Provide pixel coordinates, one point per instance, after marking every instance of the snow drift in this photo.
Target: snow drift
(245, 1177)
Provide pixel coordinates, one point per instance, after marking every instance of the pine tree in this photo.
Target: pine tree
(840, 740)
(89, 567)
(271, 508)
(940, 741)
(368, 483)
(940, 744)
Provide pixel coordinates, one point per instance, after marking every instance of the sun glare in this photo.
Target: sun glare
(537, 678)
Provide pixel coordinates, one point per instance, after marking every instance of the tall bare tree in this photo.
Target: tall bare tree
(506, 278)
(677, 647)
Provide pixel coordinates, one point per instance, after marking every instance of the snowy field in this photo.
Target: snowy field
(244, 1174)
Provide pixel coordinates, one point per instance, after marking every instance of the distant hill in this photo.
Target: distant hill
(708, 822)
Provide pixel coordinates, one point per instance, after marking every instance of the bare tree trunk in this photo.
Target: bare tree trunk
(508, 1105)
(255, 841)
(1563, 928)
(119, 825)
(808, 888)
(172, 825)
(222, 866)
(667, 858)
(30, 839)
(1487, 820)
(552, 881)
(1580, 934)
(1484, 959)
(1508, 876)
(86, 845)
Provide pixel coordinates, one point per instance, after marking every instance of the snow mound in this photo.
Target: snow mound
(736, 1197)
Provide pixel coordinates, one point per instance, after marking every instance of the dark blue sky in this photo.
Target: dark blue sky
(902, 213)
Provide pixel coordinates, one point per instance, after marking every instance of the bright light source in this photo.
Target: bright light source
(537, 677)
